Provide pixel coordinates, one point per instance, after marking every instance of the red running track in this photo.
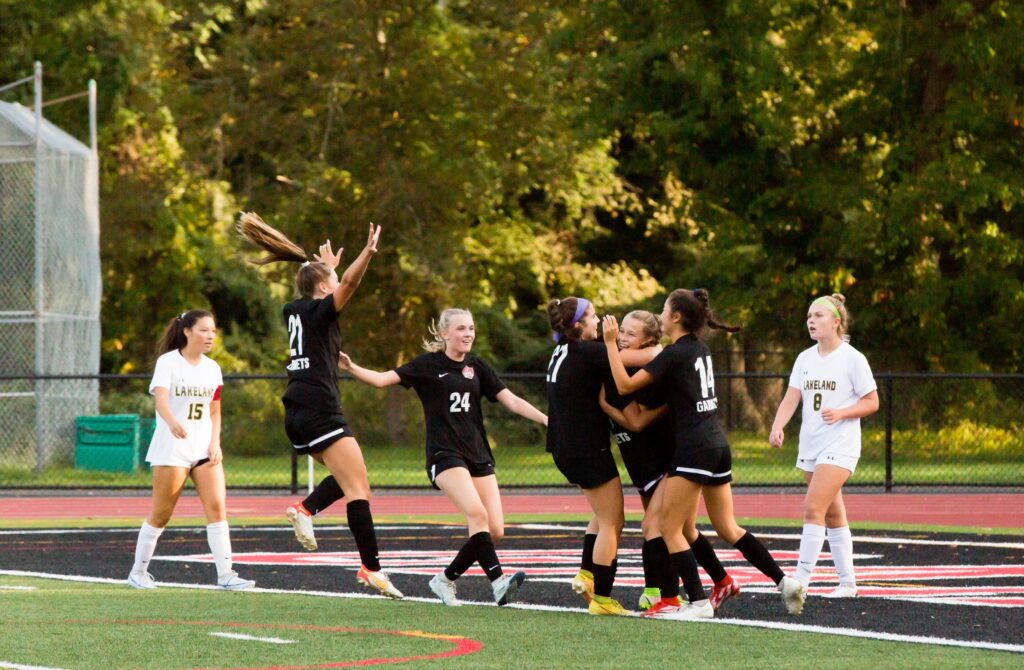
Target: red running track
(984, 510)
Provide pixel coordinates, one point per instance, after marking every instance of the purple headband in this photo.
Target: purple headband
(581, 308)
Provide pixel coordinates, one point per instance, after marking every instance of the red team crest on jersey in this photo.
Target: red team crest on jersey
(468, 372)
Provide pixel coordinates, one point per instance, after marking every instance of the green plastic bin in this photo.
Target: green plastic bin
(109, 442)
(146, 428)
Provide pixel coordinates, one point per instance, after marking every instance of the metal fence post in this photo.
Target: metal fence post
(888, 432)
(295, 472)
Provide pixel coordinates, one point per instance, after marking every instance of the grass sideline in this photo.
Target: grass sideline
(37, 635)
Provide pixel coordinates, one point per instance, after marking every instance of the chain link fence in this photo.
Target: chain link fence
(931, 430)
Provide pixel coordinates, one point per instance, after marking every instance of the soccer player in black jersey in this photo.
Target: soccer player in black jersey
(702, 462)
(450, 383)
(578, 440)
(313, 419)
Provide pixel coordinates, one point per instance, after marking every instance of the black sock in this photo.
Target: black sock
(486, 556)
(463, 560)
(587, 562)
(323, 496)
(663, 572)
(360, 522)
(615, 569)
(650, 581)
(706, 557)
(604, 577)
(758, 556)
(686, 568)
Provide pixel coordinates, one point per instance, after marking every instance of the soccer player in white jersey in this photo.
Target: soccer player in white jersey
(186, 443)
(835, 383)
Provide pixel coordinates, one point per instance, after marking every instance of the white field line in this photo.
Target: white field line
(792, 627)
(252, 638)
(16, 666)
(266, 529)
(17, 588)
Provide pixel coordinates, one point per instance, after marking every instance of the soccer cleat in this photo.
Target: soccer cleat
(723, 590)
(506, 586)
(583, 584)
(141, 580)
(378, 580)
(444, 589)
(843, 591)
(664, 608)
(232, 582)
(793, 594)
(701, 609)
(302, 524)
(607, 607)
(648, 599)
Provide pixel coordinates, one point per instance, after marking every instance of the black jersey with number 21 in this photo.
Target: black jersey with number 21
(314, 341)
(450, 392)
(687, 377)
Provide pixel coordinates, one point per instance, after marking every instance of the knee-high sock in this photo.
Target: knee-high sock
(758, 556)
(686, 567)
(326, 493)
(218, 536)
(840, 544)
(360, 522)
(486, 555)
(587, 560)
(145, 546)
(707, 558)
(604, 578)
(463, 560)
(662, 573)
(811, 542)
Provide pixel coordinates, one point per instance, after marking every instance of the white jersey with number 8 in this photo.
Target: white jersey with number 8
(191, 389)
(835, 381)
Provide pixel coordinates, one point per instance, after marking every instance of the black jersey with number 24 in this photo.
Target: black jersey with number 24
(577, 426)
(450, 392)
(687, 377)
(314, 341)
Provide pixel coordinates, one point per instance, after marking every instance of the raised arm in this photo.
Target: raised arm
(372, 377)
(517, 405)
(782, 416)
(349, 281)
(623, 381)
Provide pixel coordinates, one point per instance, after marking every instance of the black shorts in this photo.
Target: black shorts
(588, 473)
(646, 465)
(448, 461)
(311, 431)
(710, 467)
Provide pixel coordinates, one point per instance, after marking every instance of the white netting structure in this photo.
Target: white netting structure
(50, 287)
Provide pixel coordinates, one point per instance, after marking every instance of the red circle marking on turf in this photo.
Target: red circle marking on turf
(462, 645)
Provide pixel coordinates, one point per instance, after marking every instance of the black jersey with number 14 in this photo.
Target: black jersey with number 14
(314, 341)
(450, 392)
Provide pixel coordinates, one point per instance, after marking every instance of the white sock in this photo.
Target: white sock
(840, 543)
(145, 546)
(219, 538)
(811, 541)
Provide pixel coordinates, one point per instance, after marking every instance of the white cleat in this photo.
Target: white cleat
(141, 580)
(302, 524)
(843, 591)
(701, 609)
(793, 594)
(378, 580)
(506, 586)
(444, 589)
(232, 582)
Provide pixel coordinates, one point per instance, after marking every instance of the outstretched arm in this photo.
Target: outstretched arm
(517, 405)
(623, 381)
(641, 416)
(349, 281)
(372, 377)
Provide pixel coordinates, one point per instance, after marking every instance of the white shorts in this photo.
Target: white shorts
(176, 455)
(844, 461)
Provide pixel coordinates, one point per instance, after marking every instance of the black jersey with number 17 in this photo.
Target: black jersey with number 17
(314, 341)
(687, 377)
(450, 391)
(577, 426)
